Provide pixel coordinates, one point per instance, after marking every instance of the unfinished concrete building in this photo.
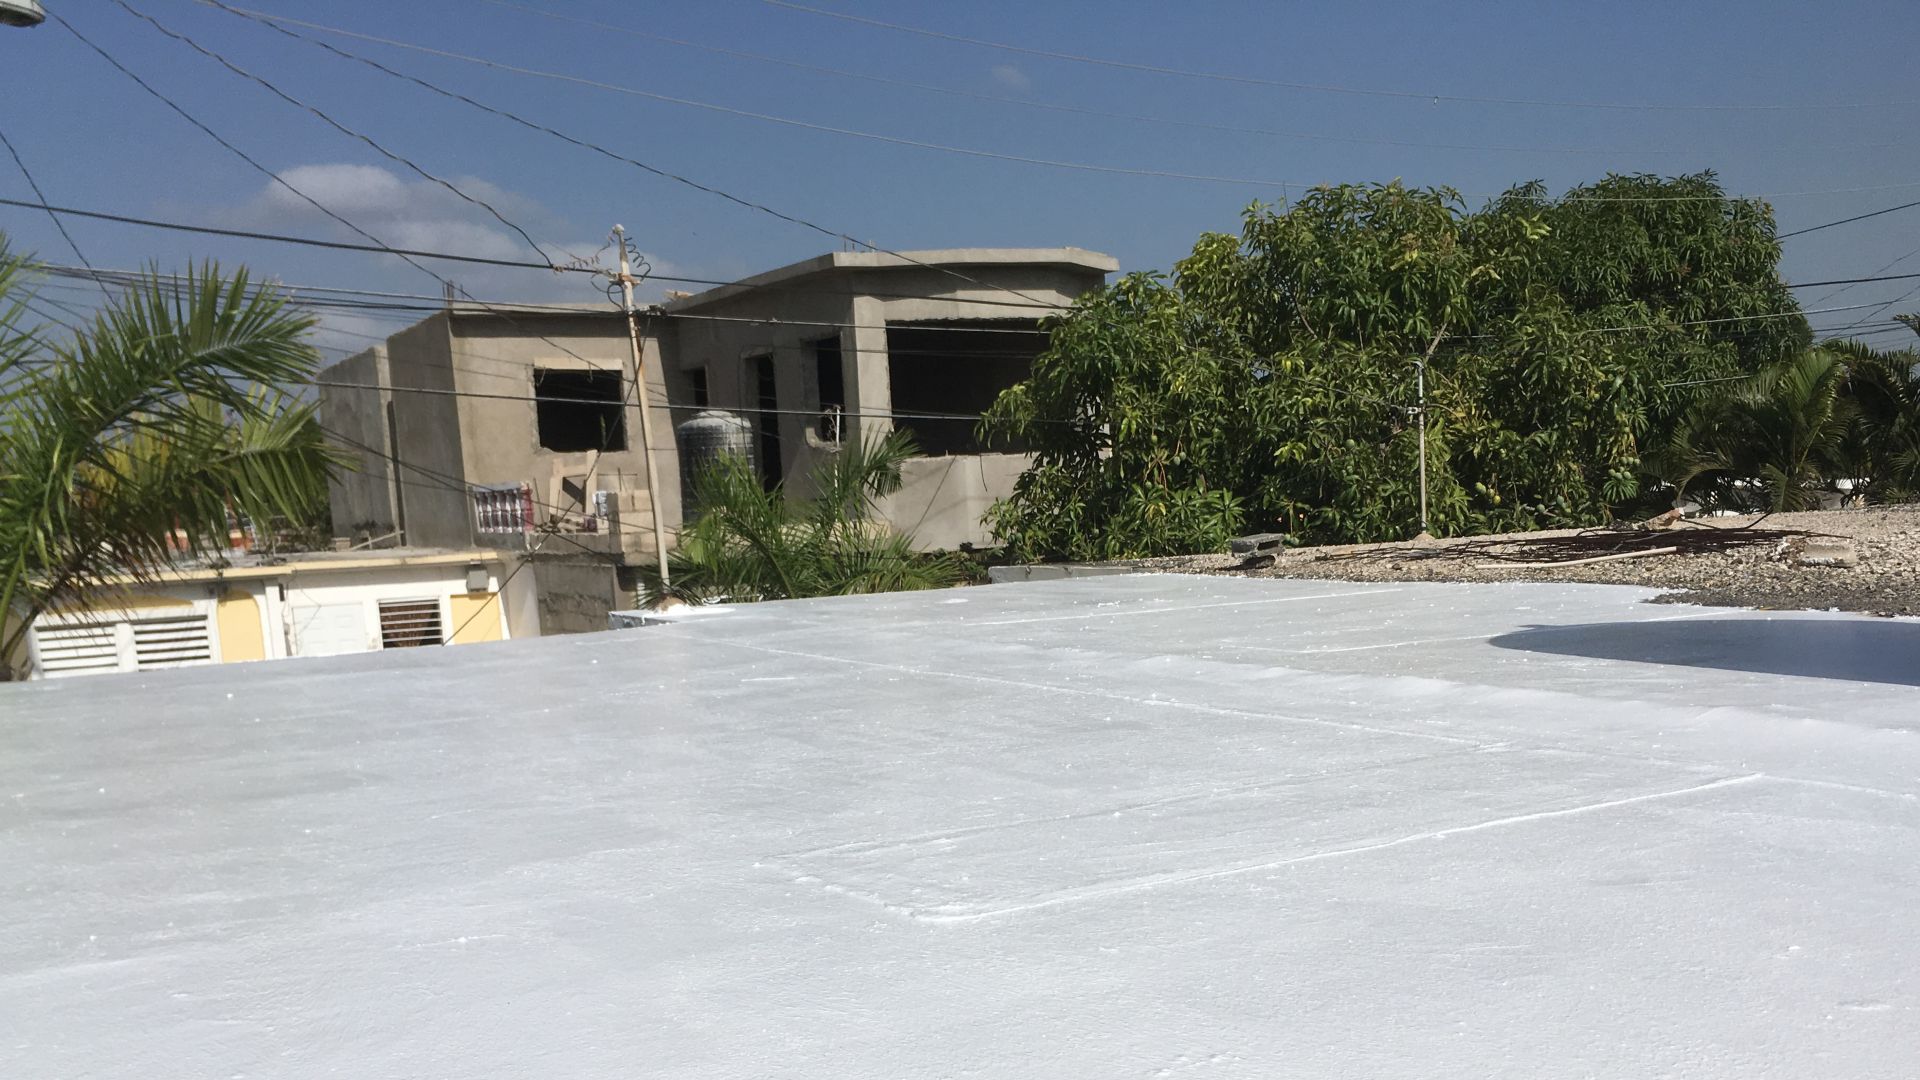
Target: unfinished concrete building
(520, 429)
(858, 343)
(517, 430)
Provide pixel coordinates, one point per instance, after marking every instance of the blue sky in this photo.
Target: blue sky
(95, 140)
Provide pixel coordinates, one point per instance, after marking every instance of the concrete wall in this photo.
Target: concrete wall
(573, 596)
(428, 440)
(461, 438)
(725, 348)
(464, 414)
(942, 500)
(496, 355)
(521, 594)
(260, 617)
(361, 494)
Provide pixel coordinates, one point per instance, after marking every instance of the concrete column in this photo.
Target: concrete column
(872, 391)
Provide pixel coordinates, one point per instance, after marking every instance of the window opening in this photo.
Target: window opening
(831, 377)
(766, 421)
(935, 368)
(579, 411)
(407, 624)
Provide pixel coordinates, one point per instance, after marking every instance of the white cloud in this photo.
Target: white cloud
(419, 214)
(1011, 77)
(422, 215)
(400, 212)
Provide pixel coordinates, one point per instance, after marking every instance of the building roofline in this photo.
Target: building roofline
(1071, 258)
(312, 562)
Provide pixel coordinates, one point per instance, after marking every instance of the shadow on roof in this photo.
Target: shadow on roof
(1859, 650)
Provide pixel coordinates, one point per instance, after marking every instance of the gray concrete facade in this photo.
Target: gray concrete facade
(465, 401)
(958, 299)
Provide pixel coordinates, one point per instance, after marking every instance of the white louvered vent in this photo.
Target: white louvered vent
(174, 642)
(76, 649)
(407, 624)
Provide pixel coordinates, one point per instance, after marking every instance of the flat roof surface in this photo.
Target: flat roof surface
(1151, 826)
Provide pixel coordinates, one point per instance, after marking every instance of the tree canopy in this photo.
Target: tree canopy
(1268, 383)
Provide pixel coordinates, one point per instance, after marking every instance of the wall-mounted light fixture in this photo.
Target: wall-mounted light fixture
(22, 13)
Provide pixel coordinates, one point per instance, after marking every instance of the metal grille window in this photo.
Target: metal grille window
(505, 508)
(165, 643)
(406, 624)
(76, 649)
(87, 648)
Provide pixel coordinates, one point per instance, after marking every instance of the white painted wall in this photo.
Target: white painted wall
(308, 612)
(327, 613)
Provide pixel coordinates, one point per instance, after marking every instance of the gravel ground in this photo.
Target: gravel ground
(1730, 562)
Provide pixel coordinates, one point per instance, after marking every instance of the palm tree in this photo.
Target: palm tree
(1884, 387)
(749, 543)
(145, 433)
(1790, 426)
(1772, 444)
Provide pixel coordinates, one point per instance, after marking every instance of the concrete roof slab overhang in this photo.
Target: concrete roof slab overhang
(1069, 259)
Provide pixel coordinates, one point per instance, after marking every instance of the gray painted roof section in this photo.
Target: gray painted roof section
(1112, 827)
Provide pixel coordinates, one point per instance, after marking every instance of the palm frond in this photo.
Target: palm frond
(748, 543)
(149, 430)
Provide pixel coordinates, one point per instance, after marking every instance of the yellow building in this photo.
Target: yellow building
(267, 608)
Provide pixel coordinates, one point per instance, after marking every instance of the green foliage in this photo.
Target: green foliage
(1771, 444)
(1775, 441)
(1269, 383)
(158, 420)
(749, 543)
(1884, 389)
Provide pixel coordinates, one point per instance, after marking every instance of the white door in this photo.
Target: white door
(331, 629)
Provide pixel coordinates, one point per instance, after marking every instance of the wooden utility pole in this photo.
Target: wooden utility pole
(1420, 389)
(646, 408)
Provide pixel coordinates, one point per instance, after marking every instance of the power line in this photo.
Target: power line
(275, 21)
(337, 126)
(384, 249)
(42, 196)
(728, 110)
(54, 319)
(125, 277)
(269, 173)
(1321, 87)
(280, 238)
(458, 486)
(1855, 281)
(83, 316)
(1078, 110)
(465, 493)
(671, 406)
(828, 324)
(1846, 220)
(289, 186)
(1881, 275)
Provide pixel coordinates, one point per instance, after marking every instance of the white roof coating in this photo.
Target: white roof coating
(1147, 826)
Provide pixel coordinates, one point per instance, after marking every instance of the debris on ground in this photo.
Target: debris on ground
(1861, 559)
